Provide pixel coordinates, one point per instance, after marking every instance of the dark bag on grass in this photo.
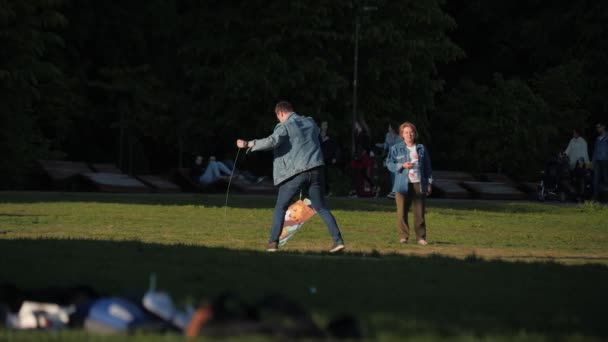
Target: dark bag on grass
(273, 315)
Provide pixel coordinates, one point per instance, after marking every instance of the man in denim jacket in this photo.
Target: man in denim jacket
(298, 162)
(411, 164)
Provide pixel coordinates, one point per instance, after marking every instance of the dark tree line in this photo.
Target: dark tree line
(145, 84)
(534, 71)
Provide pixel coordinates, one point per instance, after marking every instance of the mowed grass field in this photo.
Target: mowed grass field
(492, 270)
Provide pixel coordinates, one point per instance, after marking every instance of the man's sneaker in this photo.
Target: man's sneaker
(272, 247)
(336, 248)
(402, 240)
(391, 195)
(422, 242)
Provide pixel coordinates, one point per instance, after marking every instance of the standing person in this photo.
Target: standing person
(196, 171)
(298, 162)
(329, 149)
(411, 164)
(577, 149)
(361, 164)
(600, 160)
(578, 158)
(390, 139)
(362, 139)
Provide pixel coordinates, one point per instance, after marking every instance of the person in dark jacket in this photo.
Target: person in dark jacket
(330, 152)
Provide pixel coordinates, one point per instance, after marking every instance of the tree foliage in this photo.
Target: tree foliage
(553, 51)
(506, 125)
(29, 36)
(148, 83)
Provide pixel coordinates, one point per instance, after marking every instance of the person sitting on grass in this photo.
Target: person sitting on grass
(214, 171)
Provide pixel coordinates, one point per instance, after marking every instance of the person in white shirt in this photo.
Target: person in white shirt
(577, 149)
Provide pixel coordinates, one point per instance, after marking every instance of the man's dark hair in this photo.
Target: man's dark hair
(283, 106)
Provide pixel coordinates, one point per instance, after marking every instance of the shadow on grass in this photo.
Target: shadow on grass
(391, 294)
(264, 201)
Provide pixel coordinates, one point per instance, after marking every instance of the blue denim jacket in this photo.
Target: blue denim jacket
(398, 155)
(296, 146)
(600, 152)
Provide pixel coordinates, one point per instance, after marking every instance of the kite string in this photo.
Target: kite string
(230, 182)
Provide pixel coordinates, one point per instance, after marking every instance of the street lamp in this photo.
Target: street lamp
(358, 11)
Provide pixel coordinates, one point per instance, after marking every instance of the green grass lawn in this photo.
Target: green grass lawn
(491, 271)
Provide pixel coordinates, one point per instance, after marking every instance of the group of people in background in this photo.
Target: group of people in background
(578, 158)
(360, 166)
(303, 152)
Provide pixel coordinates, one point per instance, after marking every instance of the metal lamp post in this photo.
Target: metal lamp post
(356, 68)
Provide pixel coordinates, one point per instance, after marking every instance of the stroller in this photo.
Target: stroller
(555, 179)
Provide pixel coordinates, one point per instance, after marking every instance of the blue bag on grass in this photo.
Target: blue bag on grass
(113, 314)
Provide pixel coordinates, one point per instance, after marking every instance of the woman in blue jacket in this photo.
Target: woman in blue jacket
(411, 164)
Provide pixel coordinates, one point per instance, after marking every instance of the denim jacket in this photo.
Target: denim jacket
(398, 155)
(296, 146)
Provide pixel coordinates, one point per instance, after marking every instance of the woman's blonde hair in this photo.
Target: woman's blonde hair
(410, 125)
